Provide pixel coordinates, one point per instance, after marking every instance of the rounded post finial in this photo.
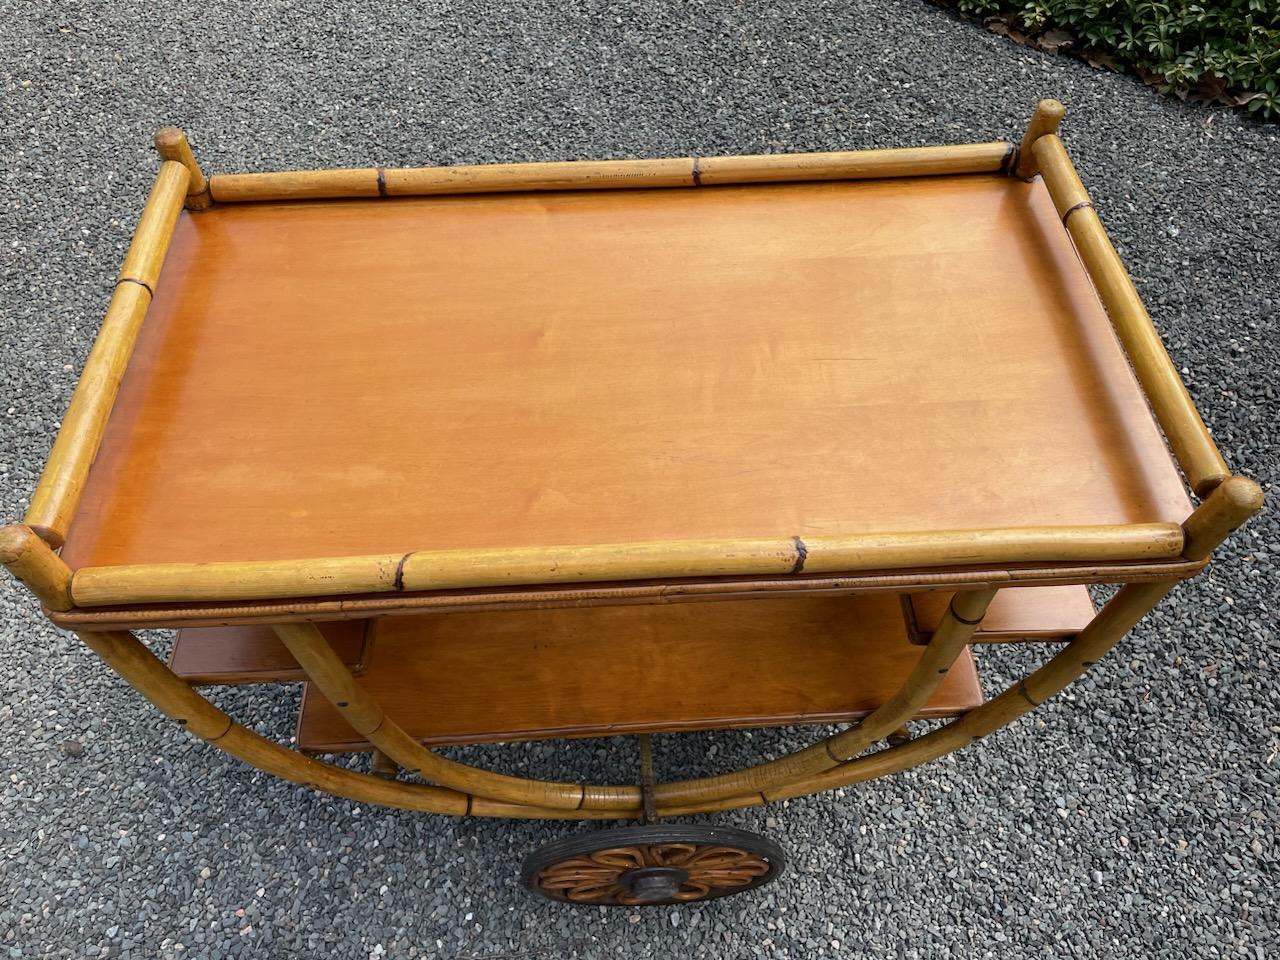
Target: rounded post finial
(1232, 502)
(171, 144)
(33, 562)
(1044, 121)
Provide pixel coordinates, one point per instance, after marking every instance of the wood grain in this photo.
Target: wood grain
(1024, 613)
(493, 676)
(235, 655)
(349, 378)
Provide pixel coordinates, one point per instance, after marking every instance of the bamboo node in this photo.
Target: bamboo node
(398, 583)
(1010, 159)
(1082, 205)
(802, 554)
(142, 283)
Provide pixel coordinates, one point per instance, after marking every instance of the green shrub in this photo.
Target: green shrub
(1232, 44)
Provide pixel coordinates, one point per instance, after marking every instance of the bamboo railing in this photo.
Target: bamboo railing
(609, 174)
(424, 570)
(58, 493)
(1189, 438)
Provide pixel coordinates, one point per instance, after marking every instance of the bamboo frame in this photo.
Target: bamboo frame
(424, 570)
(58, 493)
(56, 497)
(609, 174)
(1192, 445)
(1159, 553)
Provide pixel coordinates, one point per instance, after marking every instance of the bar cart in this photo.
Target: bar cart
(502, 453)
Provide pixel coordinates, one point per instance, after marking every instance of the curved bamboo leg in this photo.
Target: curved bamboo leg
(330, 675)
(127, 655)
(949, 640)
(1222, 512)
(1112, 623)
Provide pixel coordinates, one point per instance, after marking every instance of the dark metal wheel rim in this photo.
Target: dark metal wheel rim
(652, 865)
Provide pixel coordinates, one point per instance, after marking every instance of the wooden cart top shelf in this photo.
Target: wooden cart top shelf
(349, 377)
(564, 381)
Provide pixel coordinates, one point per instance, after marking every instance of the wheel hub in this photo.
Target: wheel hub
(653, 884)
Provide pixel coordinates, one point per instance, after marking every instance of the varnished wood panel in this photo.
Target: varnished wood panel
(1024, 613)
(234, 655)
(365, 377)
(574, 672)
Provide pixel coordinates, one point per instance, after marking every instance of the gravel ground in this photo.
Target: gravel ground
(1135, 816)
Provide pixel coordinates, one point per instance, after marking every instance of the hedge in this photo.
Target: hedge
(1227, 51)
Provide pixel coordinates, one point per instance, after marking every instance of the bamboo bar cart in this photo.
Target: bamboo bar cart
(502, 453)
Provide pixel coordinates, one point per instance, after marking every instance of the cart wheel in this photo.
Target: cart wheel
(650, 865)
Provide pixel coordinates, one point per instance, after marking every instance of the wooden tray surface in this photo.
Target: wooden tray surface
(601, 670)
(358, 377)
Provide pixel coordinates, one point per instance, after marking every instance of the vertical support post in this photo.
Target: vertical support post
(1044, 121)
(380, 765)
(171, 144)
(900, 736)
(33, 562)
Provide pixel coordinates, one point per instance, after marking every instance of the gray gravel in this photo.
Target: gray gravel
(1135, 816)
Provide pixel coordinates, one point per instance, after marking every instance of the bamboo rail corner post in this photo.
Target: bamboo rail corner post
(1048, 115)
(171, 144)
(58, 492)
(32, 561)
(1231, 503)
(1193, 446)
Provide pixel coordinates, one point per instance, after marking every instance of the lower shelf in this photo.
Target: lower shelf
(234, 655)
(481, 677)
(1016, 613)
